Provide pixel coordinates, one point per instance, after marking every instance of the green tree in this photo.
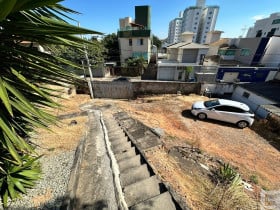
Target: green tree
(95, 50)
(24, 75)
(135, 62)
(111, 44)
(157, 42)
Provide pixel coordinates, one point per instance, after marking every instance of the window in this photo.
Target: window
(140, 42)
(180, 75)
(130, 42)
(211, 103)
(229, 109)
(246, 94)
(259, 33)
(222, 108)
(245, 52)
(271, 33)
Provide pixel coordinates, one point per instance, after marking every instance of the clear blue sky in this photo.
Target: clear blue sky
(234, 15)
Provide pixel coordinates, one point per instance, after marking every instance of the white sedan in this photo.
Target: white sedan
(224, 110)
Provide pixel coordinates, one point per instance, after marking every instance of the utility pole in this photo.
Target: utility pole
(89, 69)
(90, 73)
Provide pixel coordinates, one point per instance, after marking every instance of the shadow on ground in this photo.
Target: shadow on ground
(271, 137)
(72, 203)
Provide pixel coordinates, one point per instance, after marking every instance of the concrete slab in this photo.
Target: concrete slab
(93, 186)
(118, 141)
(141, 191)
(150, 140)
(129, 162)
(133, 175)
(116, 131)
(160, 202)
(121, 147)
(125, 154)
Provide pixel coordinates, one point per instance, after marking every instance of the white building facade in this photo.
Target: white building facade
(175, 30)
(135, 36)
(266, 27)
(199, 19)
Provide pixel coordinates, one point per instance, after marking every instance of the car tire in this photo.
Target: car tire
(242, 124)
(202, 116)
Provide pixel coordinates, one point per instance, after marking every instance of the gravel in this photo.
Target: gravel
(50, 190)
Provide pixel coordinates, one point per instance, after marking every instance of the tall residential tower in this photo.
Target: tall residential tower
(199, 19)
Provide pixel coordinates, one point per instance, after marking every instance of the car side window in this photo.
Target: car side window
(229, 109)
(222, 108)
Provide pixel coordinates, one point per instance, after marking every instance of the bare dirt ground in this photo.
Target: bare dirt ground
(250, 154)
(64, 135)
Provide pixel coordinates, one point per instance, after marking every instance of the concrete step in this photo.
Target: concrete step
(118, 141)
(160, 202)
(130, 162)
(133, 175)
(119, 133)
(141, 191)
(111, 122)
(121, 147)
(125, 154)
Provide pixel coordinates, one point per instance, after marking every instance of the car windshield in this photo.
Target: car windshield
(211, 103)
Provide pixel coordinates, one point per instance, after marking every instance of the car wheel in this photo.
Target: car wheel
(202, 116)
(242, 124)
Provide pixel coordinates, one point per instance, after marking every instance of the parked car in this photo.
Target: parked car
(122, 79)
(224, 110)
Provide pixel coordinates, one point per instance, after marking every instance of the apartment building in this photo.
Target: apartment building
(266, 27)
(134, 36)
(175, 30)
(199, 19)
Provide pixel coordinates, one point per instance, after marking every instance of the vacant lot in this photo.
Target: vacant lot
(188, 143)
(247, 152)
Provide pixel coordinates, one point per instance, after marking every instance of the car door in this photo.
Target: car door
(222, 113)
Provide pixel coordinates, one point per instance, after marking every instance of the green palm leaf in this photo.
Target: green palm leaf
(24, 74)
(4, 97)
(6, 8)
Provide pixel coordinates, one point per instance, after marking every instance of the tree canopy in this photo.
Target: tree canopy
(111, 43)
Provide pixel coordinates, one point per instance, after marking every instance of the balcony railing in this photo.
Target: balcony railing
(134, 33)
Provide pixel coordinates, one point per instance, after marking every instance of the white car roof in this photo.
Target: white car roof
(234, 103)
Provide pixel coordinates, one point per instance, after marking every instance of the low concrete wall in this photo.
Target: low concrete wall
(108, 89)
(165, 87)
(127, 90)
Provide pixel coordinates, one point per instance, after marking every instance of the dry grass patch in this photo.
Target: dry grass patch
(63, 136)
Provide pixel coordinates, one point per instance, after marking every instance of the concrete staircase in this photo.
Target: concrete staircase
(141, 188)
